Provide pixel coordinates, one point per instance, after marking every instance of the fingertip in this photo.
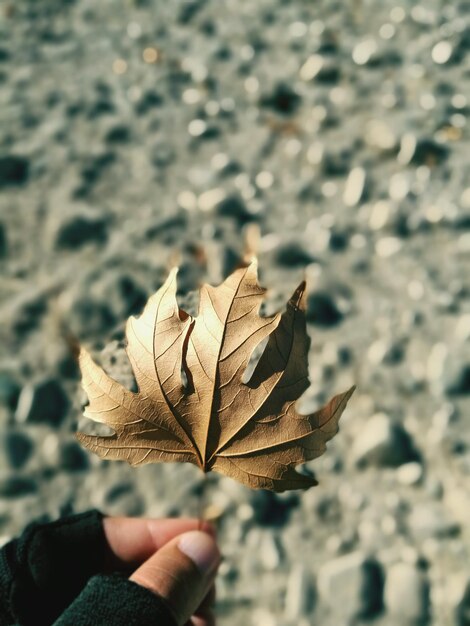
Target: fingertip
(202, 549)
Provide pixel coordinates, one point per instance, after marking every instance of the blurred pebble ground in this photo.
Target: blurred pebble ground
(137, 135)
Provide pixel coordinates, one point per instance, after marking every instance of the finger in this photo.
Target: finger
(182, 572)
(132, 541)
(208, 602)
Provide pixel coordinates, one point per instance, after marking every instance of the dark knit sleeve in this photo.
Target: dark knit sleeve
(42, 571)
(118, 601)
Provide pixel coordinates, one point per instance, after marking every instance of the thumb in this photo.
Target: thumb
(181, 572)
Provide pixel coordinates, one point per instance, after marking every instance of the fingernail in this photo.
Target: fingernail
(201, 549)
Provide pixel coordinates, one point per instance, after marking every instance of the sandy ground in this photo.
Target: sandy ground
(137, 135)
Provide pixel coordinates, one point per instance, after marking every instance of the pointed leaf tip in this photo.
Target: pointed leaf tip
(299, 297)
(249, 258)
(252, 264)
(350, 391)
(171, 278)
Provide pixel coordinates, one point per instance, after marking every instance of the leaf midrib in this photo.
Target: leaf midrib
(205, 461)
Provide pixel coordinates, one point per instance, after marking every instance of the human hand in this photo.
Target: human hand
(90, 570)
(171, 558)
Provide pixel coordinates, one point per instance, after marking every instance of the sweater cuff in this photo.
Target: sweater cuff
(50, 564)
(114, 599)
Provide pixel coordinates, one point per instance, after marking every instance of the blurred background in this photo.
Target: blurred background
(136, 135)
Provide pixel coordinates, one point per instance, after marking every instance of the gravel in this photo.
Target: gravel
(334, 137)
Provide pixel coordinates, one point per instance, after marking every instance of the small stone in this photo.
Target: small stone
(45, 401)
(148, 101)
(270, 552)
(292, 255)
(386, 247)
(122, 499)
(456, 380)
(380, 135)
(410, 474)
(462, 605)
(18, 448)
(457, 502)
(408, 146)
(116, 492)
(120, 133)
(339, 240)
(272, 509)
(187, 200)
(383, 443)
(89, 317)
(200, 129)
(399, 186)
(420, 151)
(9, 391)
(208, 200)
(300, 594)
(245, 512)
(406, 593)
(355, 186)
(167, 228)
(448, 371)
(92, 171)
(462, 328)
(3, 242)
(430, 520)
(29, 310)
(386, 352)
(123, 294)
(320, 68)
(72, 457)
(322, 310)
(365, 51)
(188, 11)
(17, 486)
(465, 198)
(328, 508)
(99, 107)
(434, 488)
(80, 229)
(436, 362)
(264, 179)
(234, 207)
(134, 30)
(442, 52)
(213, 513)
(162, 154)
(380, 215)
(333, 163)
(352, 585)
(225, 166)
(14, 171)
(282, 99)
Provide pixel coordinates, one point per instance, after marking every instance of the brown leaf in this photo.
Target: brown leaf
(250, 430)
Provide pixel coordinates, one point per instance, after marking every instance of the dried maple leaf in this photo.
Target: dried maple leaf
(208, 416)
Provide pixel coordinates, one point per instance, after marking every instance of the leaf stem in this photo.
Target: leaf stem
(202, 501)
